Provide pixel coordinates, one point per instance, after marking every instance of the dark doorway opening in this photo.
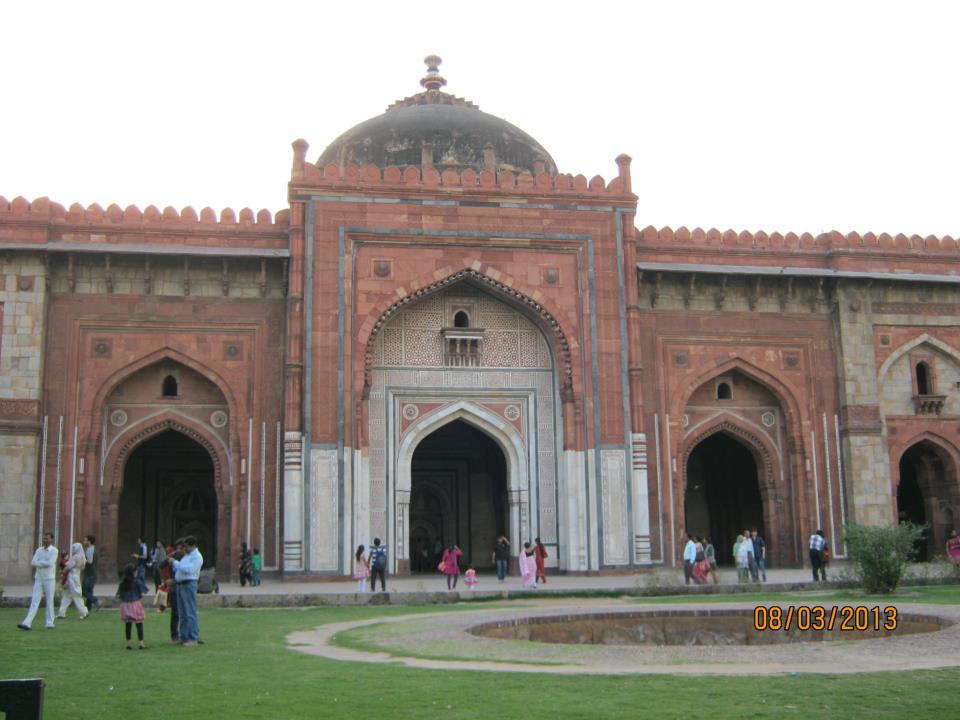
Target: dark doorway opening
(722, 497)
(927, 494)
(458, 494)
(168, 493)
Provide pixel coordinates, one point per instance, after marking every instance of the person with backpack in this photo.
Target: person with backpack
(378, 565)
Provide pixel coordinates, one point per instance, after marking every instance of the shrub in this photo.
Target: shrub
(880, 553)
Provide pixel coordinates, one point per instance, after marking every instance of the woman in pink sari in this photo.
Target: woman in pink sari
(528, 567)
(451, 565)
(953, 547)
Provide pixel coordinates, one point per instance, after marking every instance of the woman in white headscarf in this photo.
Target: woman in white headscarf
(71, 584)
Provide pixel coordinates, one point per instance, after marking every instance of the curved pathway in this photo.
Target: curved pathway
(411, 640)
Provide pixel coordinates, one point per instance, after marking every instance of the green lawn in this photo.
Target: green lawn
(246, 671)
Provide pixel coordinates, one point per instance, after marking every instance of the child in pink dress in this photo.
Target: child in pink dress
(131, 609)
(470, 578)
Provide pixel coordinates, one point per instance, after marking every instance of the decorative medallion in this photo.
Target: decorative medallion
(118, 418)
(218, 419)
(231, 351)
(411, 412)
(382, 268)
(680, 358)
(102, 347)
(768, 419)
(512, 413)
(551, 276)
(685, 420)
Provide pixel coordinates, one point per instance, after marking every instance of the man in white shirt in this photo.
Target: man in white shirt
(44, 582)
(186, 574)
(689, 558)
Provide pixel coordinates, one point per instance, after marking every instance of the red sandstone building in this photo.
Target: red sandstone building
(443, 339)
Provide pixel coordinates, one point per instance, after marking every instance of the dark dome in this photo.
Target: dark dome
(438, 129)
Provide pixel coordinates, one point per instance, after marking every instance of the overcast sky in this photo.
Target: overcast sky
(749, 115)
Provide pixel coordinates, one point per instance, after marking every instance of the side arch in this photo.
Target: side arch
(923, 339)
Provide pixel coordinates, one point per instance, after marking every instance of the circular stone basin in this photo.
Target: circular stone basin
(683, 627)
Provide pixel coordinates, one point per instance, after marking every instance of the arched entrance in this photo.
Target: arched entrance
(722, 497)
(927, 494)
(458, 494)
(168, 492)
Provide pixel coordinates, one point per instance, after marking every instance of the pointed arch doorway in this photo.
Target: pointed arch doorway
(722, 497)
(168, 492)
(458, 495)
(928, 494)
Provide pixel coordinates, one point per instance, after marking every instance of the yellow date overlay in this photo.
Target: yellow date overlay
(845, 618)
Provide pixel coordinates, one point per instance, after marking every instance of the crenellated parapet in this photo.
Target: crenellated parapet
(43, 210)
(428, 178)
(831, 241)
(49, 226)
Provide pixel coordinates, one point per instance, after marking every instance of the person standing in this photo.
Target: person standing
(378, 566)
(710, 553)
(759, 554)
(741, 552)
(186, 574)
(246, 571)
(501, 557)
(129, 593)
(451, 565)
(157, 558)
(361, 569)
(173, 553)
(44, 581)
(72, 591)
(256, 565)
(540, 553)
(751, 557)
(689, 558)
(528, 567)
(141, 558)
(953, 548)
(88, 578)
(818, 542)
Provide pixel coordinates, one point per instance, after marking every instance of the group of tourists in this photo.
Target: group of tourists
(749, 556)
(368, 566)
(179, 568)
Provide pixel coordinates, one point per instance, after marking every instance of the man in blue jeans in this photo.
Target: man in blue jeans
(187, 573)
(501, 556)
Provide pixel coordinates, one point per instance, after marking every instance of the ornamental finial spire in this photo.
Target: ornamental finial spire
(433, 81)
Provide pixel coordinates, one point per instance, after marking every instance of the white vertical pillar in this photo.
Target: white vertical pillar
(293, 501)
(641, 499)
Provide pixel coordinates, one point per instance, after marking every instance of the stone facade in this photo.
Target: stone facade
(309, 355)
(23, 280)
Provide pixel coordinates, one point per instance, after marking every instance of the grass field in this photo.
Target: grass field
(245, 671)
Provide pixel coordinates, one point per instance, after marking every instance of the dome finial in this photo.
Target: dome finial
(433, 81)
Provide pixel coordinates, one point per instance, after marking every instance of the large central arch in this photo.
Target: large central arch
(492, 425)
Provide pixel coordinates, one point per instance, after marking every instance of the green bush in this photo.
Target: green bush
(880, 554)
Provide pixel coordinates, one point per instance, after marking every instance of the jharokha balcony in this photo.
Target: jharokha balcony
(928, 404)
